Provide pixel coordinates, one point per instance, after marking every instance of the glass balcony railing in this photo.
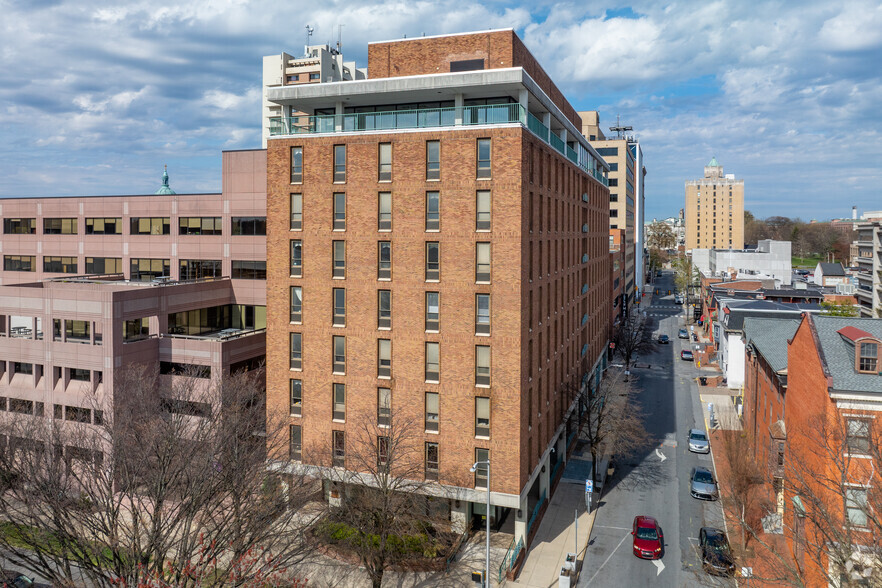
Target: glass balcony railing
(423, 118)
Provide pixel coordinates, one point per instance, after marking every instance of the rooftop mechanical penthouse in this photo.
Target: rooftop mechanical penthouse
(437, 251)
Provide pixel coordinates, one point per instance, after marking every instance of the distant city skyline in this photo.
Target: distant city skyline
(95, 98)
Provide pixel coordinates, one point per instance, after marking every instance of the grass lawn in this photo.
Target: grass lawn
(805, 262)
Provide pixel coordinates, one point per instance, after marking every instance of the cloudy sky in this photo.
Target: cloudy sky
(95, 96)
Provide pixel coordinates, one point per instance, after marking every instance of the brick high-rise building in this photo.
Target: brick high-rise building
(715, 210)
(438, 250)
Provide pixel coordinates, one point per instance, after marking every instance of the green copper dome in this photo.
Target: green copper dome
(713, 162)
(164, 189)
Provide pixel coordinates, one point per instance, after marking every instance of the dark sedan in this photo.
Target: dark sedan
(716, 555)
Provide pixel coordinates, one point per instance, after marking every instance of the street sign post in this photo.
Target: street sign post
(589, 493)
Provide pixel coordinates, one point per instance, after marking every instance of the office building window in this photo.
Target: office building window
(59, 265)
(296, 258)
(104, 265)
(483, 158)
(135, 329)
(384, 407)
(433, 261)
(482, 262)
(296, 165)
(433, 160)
(248, 270)
(20, 226)
(339, 261)
(296, 397)
(197, 269)
(296, 212)
(482, 417)
(339, 352)
(482, 314)
(433, 211)
(858, 436)
(339, 163)
(384, 260)
(103, 226)
(20, 263)
(338, 318)
(339, 211)
(384, 309)
(200, 225)
(59, 226)
(339, 402)
(159, 225)
(433, 311)
(432, 412)
(296, 345)
(296, 304)
(482, 207)
(146, 270)
(432, 461)
(339, 448)
(384, 211)
(384, 168)
(433, 362)
(481, 455)
(296, 449)
(482, 365)
(384, 358)
(248, 225)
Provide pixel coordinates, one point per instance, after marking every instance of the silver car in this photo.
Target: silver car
(698, 442)
(703, 485)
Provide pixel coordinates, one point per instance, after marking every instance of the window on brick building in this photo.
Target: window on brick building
(868, 360)
(384, 407)
(383, 447)
(481, 472)
(482, 314)
(482, 262)
(384, 309)
(856, 506)
(384, 211)
(59, 226)
(432, 412)
(384, 167)
(339, 401)
(338, 269)
(482, 365)
(296, 165)
(482, 417)
(857, 438)
(433, 362)
(482, 210)
(339, 354)
(296, 397)
(296, 304)
(433, 261)
(433, 311)
(384, 260)
(339, 223)
(296, 348)
(384, 358)
(339, 448)
(296, 212)
(338, 317)
(483, 158)
(433, 211)
(433, 160)
(432, 461)
(296, 448)
(339, 163)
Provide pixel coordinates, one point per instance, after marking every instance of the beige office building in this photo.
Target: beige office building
(715, 210)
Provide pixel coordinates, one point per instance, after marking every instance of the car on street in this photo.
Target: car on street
(716, 555)
(13, 579)
(648, 538)
(703, 485)
(678, 299)
(698, 442)
(682, 334)
(686, 355)
(664, 339)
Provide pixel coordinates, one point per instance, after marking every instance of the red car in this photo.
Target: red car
(648, 538)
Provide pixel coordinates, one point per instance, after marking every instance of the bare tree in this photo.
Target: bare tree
(384, 515)
(631, 338)
(742, 489)
(660, 237)
(168, 487)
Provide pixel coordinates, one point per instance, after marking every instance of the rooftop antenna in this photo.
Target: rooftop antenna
(340, 39)
(619, 129)
(309, 31)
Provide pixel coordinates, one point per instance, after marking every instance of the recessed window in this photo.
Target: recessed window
(248, 270)
(384, 171)
(296, 397)
(296, 304)
(433, 211)
(384, 358)
(339, 259)
(296, 258)
(482, 471)
(338, 318)
(482, 207)
(296, 212)
(248, 225)
(197, 269)
(136, 329)
(384, 260)
(482, 262)
(433, 362)
(384, 211)
(483, 158)
(856, 506)
(295, 452)
(433, 311)
(104, 265)
(296, 165)
(339, 354)
(339, 163)
(384, 445)
(482, 417)
(339, 402)
(384, 309)
(869, 357)
(296, 347)
(339, 448)
(104, 226)
(432, 412)
(482, 314)
(200, 225)
(433, 160)
(858, 436)
(59, 226)
(339, 211)
(433, 261)
(432, 464)
(384, 407)
(146, 270)
(158, 225)
(19, 226)
(20, 263)
(59, 265)
(482, 365)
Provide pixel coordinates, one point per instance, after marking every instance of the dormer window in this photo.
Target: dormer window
(868, 357)
(866, 349)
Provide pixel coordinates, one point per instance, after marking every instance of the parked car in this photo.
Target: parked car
(14, 579)
(698, 442)
(703, 485)
(686, 355)
(683, 334)
(648, 538)
(664, 339)
(716, 555)
(678, 299)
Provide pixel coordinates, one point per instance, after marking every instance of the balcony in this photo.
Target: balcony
(428, 118)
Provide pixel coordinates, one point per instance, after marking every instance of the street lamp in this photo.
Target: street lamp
(487, 554)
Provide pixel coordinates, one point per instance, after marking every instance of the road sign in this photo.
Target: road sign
(589, 486)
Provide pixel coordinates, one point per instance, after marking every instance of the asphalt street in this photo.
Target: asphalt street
(656, 481)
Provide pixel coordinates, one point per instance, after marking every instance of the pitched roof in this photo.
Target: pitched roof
(853, 333)
(740, 310)
(769, 336)
(838, 352)
(832, 269)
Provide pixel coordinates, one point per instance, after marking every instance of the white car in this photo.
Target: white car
(678, 299)
(698, 442)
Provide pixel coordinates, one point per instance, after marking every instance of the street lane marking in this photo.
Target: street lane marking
(660, 567)
(617, 528)
(660, 454)
(606, 561)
